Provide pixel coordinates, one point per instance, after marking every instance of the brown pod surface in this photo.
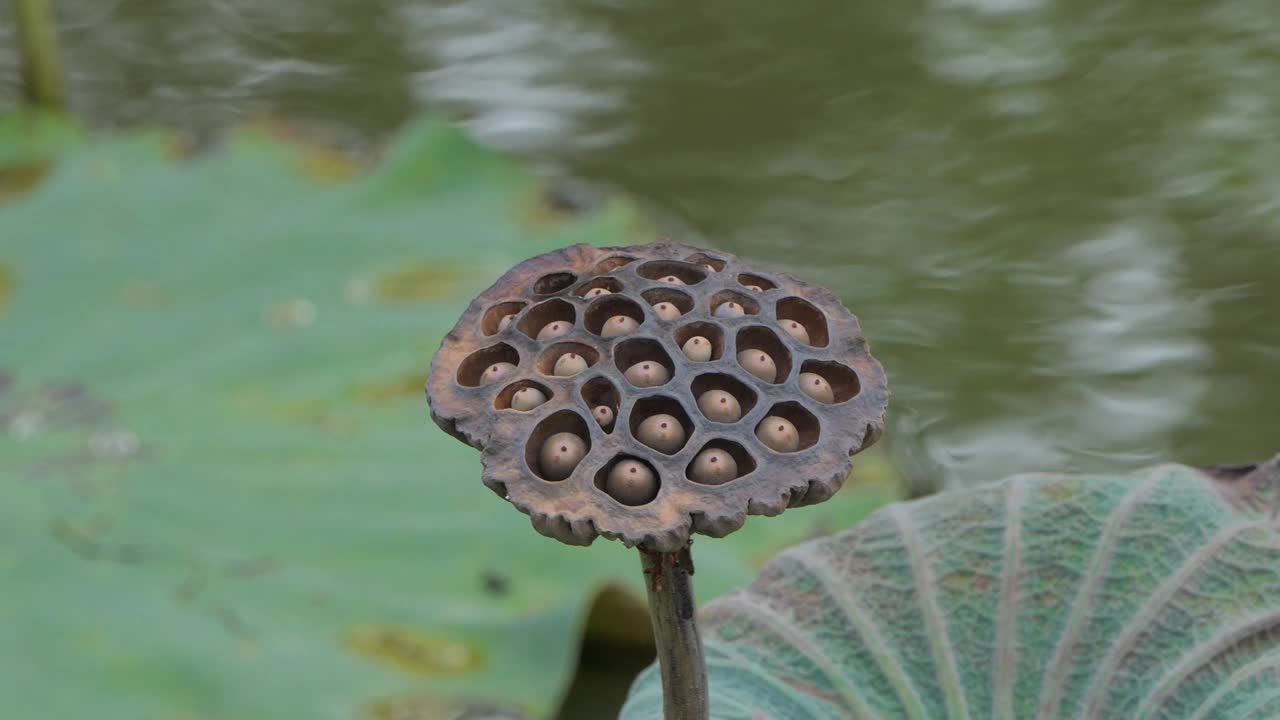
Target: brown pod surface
(578, 508)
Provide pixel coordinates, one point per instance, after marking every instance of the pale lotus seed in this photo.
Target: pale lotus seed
(527, 398)
(671, 280)
(631, 482)
(603, 415)
(817, 387)
(759, 364)
(554, 330)
(505, 321)
(720, 406)
(569, 364)
(647, 374)
(560, 454)
(661, 432)
(729, 309)
(709, 267)
(756, 288)
(618, 325)
(594, 293)
(778, 434)
(667, 311)
(497, 371)
(714, 466)
(796, 330)
(697, 349)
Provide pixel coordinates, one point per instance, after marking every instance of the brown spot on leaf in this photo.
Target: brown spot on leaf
(8, 279)
(406, 386)
(413, 652)
(18, 180)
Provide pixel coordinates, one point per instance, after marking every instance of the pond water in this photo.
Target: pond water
(1058, 220)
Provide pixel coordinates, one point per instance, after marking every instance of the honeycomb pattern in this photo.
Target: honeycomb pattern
(645, 393)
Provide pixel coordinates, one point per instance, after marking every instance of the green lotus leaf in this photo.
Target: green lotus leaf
(1137, 597)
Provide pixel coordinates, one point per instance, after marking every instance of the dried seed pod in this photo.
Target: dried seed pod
(553, 330)
(796, 330)
(560, 454)
(631, 482)
(527, 398)
(720, 406)
(496, 372)
(713, 466)
(594, 382)
(758, 363)
(697, 349)
(667, 311)
(618, 325)
(778, 434)
(569, 364)
(661, 432)
(647, 374)
(817, 387)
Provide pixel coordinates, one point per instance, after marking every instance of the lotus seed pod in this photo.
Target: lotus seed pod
(729, 309)
(714, 467)
(505, 321)
(569, 364)
(527, 398)
(720, 406)
(697, 349)
(631, 482)
(778, 434)
(671, 280)
(667, 311)
(496, 371)
(554, 330)
(560, 454)
(817, 387)
(647, 374)
(594, 293)
(756, 288)
(661, 432)
(795, 330)
(618, 325)
(759, 363)
(603, 415)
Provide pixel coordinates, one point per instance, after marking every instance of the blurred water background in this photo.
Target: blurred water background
(1057, 220)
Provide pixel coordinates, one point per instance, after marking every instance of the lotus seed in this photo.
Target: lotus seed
(729, 309)
(661, 432)
(618, 325)
(671, 280)
(505, 321)
(603, 415)
(713, 466)
(554, 330)
(667, 311)
(569, 364)
(527, 398)
(709, 267)
(796, 330)
(647, 374)
(560, 454)
(720, 406)
(756, 288)
(697, 349)
(594, 293)
(631, 482)
(778, 434)
(497, 371)
(817, 387)
(759, 364)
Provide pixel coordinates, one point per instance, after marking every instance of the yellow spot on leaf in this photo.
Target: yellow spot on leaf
(411, 385)
(19, 179)
(291, 314)
(8, 279)
(419, 282)
(413, 652)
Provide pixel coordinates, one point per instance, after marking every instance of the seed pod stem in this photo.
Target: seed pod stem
(675, 632)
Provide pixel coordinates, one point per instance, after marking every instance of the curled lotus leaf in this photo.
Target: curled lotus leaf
(1152, 595)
